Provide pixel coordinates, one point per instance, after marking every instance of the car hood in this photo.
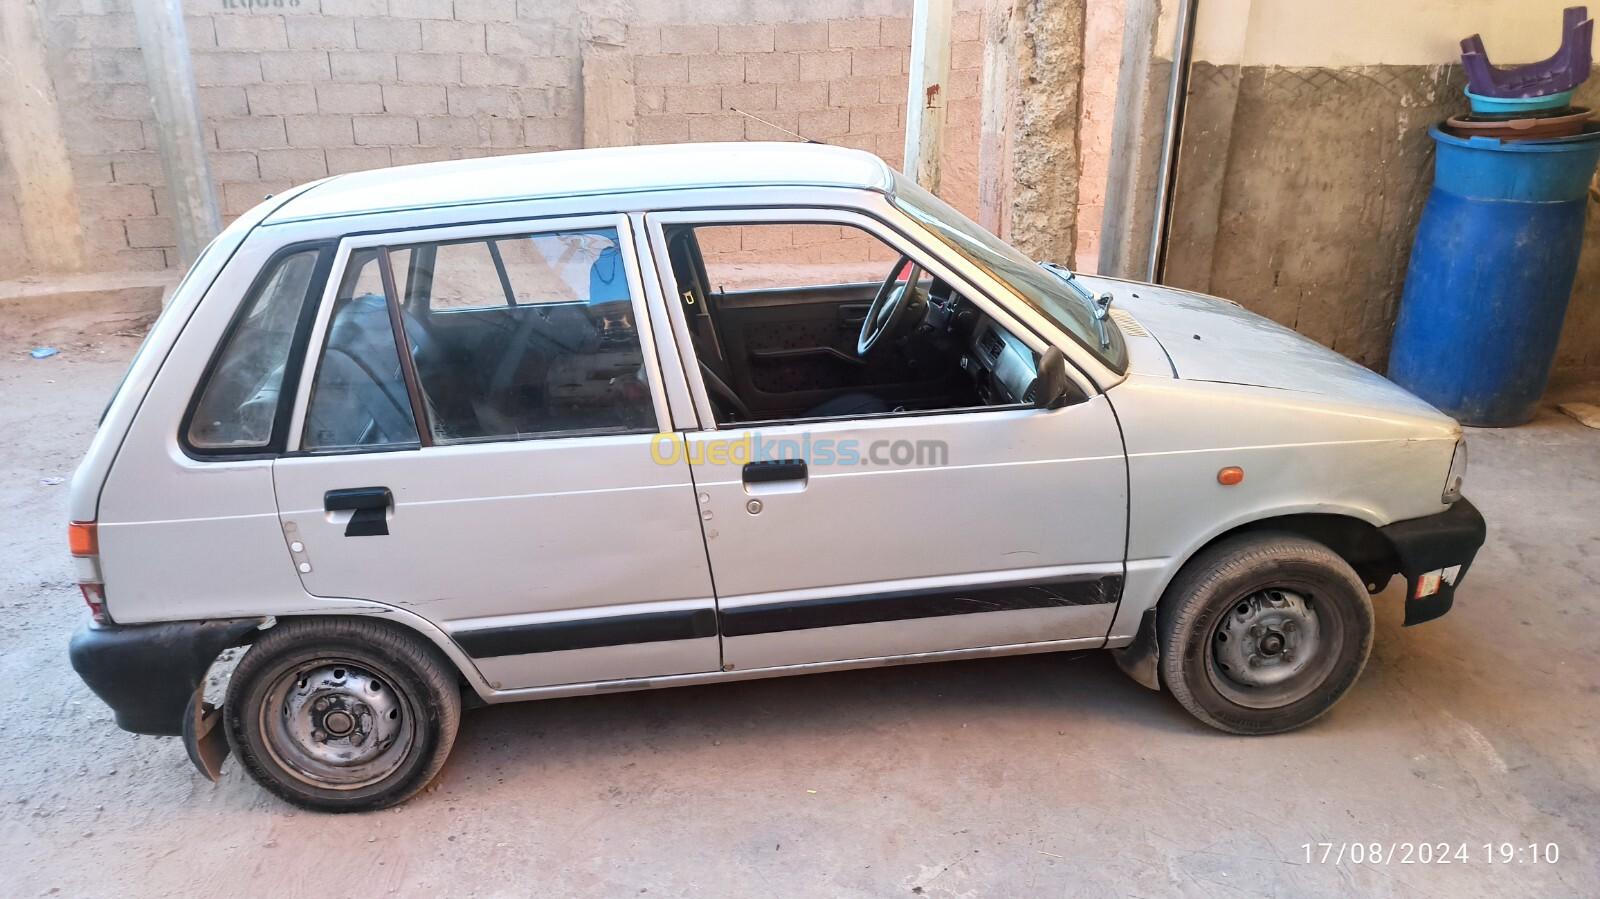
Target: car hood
(1209, 339)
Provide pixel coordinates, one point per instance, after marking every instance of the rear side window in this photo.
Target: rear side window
(237, 407)
(510, 337)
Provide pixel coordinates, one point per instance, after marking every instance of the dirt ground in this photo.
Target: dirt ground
(1032, 776)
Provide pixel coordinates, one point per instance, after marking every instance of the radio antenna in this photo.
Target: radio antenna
(802, 137)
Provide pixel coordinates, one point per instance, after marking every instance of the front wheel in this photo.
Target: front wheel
(1263, 633)
(342, 715)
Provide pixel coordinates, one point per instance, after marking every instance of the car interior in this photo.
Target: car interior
(789, 351)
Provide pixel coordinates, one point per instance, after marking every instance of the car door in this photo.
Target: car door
(906, 533)
(493, 474)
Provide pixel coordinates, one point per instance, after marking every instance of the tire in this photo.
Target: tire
(1263, 633)
(400, 706)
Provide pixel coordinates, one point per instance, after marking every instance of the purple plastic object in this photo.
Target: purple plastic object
(1567, 69)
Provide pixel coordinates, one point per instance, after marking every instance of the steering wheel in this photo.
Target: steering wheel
(889, 309)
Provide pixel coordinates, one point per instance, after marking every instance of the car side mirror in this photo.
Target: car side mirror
(1051, 387)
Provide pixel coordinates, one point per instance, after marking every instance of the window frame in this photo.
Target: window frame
(293, 365)
(394, 239)
(928, 257)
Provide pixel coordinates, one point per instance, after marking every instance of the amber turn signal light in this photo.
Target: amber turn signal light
(83, 538)
(1229, 476)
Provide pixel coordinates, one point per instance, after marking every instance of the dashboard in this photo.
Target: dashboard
(1002, 367)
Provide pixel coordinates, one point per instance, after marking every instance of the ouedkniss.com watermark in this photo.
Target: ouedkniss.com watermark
(753, 446)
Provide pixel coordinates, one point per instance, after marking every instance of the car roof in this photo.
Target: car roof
(592, 172)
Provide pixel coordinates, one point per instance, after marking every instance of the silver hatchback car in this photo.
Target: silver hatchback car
(567, 423)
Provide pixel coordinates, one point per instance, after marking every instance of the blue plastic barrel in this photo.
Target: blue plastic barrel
(1491, 272)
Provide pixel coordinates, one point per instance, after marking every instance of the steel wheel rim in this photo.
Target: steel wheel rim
(338, 724)
(1273, 647)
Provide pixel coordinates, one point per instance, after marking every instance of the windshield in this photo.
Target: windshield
(1033, 284)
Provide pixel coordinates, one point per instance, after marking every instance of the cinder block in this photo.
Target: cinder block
(485, 10)
(966, 55)
(530, 39)
(483, 69)
(251, 133)
(220, 67)
(967, 26)
(295, 65)
(95, 169)
(651, 70)
(715, 69)
(818, 124)
(505, 133)
(297, 165)
(854, 33)
(895, 32)
(824, 65)
(250, 33)
(662, 129)
(137, 168)
(474, 101)
(362, 65)
(83, 32)
(893, 89)
(879, 61)
(422, 9)
(782, 126)
(233, 165)
(388, 34)
(560, 133)
(320, 131)
(385, 130)
(694, 98)
(802, 95)
(429, 68)
(408, 155)
(281, 99)
(688, 38)
(237, 199)
(111, 136)
(349, 98)
(414, 99)
(453, 37)
(117, 201)
(771, 68)
(716, 127)
(643, 40)
(321, 33)
(880, 118)
(216, 102)
(648, 100)
(853, 92)
(451, 131)
(201, 32)
(750, 97)
(800, 36)
(357, 159)
(745, 38)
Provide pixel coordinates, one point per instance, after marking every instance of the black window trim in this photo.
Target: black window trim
(292, 366)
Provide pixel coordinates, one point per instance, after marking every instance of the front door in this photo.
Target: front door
(957, 521)
(494, 474)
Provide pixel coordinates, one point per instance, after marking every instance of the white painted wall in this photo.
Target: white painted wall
(1342, 33)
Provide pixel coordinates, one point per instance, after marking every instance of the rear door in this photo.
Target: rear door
(493, 472)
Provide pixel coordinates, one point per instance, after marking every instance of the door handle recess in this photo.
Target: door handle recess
(369, 505)
(775, 476)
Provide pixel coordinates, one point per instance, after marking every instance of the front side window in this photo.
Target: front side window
(237, 406)
(510, 337)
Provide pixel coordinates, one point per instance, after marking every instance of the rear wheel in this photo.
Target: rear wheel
(342, 715)
(1263, 633)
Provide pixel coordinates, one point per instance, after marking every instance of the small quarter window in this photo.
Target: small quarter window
(359, 398)
(239, 402)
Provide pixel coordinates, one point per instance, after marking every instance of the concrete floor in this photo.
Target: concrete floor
(1034, 776)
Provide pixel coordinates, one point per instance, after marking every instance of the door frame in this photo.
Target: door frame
(927, 256)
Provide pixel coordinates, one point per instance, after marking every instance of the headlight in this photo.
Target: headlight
(1458, 473)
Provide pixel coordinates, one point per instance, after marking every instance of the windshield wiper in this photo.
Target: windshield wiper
(1099, 306)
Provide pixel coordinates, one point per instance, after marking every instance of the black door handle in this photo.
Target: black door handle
(774, 470)
(370, 505)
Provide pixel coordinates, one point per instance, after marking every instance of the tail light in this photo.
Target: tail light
(83, 538)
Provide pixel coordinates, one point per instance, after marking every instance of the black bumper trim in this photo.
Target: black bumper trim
(147, 673)
(1448, 539)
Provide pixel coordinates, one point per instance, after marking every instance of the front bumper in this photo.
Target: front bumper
(147, 673)
(1438, 550)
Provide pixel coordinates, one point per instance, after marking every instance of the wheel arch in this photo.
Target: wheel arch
(1356, 540)
(474, 686)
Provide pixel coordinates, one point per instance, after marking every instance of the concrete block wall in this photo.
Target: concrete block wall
(294, 90)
